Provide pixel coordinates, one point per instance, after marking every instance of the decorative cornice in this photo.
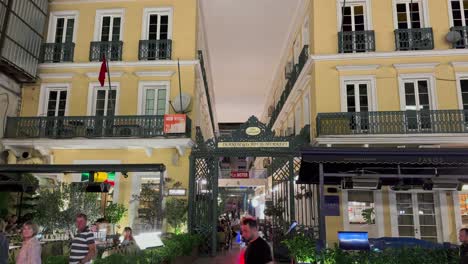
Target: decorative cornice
(460, 64)
(56, 75)
(358, 67)
(390, 55)
(113, 74)
(112, 64)
(417, 66)
(154, 73)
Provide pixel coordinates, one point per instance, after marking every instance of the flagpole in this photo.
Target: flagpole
(110, 87)
(180, 87)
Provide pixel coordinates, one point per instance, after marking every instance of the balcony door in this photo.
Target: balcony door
(104, 107)
(105, 102)
(155, 100)
(110, 36)
(417, 105)
(357, 104)
(158, 34)
(460, 20)
(63, 31)
(354, 20)
(56, 103)
(409, 15)
(416, 216)
(463, 99)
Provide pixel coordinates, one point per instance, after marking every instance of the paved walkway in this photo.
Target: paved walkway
(226, 257)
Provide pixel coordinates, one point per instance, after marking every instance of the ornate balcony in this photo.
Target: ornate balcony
(414, 39)
(392, 122)
(90, 127)
(292, 78)
(57, 52)
(463, 42)
(356, 41)
(155, 49)
(112, 50)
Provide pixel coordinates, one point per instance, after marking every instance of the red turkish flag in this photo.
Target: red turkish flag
(103, 71)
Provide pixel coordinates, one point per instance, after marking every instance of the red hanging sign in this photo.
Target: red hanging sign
(175, 124)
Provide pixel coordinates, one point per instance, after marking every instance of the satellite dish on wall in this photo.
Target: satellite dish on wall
(453, 36)
(176, 103)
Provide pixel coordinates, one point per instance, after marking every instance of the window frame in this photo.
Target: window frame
(402, 78)
(306, 110)
(450, 10)
(298, 118)
(100, 14)
(459, 77)
(159, 11)
(424, 15)
(371, 90)
(347, 205)
(145, 85)
(92, 95)
(53, 24)
(368, 24)
(44, 96)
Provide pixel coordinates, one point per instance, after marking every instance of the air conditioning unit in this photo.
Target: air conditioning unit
(271, 109)
(288, 70)
(361, 184)
(445, 184)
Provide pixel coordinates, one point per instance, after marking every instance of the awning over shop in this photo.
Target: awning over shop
(74, 168)
(386, 163)
(402, 168)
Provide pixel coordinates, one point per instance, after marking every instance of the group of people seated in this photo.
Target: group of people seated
(30, 252)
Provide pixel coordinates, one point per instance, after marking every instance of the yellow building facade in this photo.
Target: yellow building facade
(68, 118)
(367, 73)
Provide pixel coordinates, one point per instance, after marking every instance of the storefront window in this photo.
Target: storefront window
(464, 208)
(361, 207)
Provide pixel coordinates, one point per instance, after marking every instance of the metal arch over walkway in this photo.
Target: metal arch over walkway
(252, 139)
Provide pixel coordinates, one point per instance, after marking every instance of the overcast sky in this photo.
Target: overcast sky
(245, 38)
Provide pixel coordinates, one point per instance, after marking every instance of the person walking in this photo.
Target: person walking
(258, 251)
(4, 244)
(463, 237)
(30, 252)
(83, 247)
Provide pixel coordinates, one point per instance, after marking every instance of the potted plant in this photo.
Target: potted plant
(369, 215)
(114, 213)
(176, 213)
(301, 248)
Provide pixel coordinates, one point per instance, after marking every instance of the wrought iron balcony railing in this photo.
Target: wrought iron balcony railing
(155, 49)
(112, 50)
(292, 78)
(463, 42)
(392, 122)
(89, 127)
(356, 41)
(414, 39)
(57, 52)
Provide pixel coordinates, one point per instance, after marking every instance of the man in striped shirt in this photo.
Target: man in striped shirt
(83, 248)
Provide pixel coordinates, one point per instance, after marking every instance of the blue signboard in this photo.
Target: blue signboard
(332, 205)
(353, 240)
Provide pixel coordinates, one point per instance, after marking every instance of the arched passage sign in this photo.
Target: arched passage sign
(252, 139)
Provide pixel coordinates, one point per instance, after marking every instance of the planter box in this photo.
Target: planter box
(186, 259)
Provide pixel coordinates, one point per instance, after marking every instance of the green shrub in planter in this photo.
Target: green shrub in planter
(389, 256)
(301, 248)
(56, 260)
